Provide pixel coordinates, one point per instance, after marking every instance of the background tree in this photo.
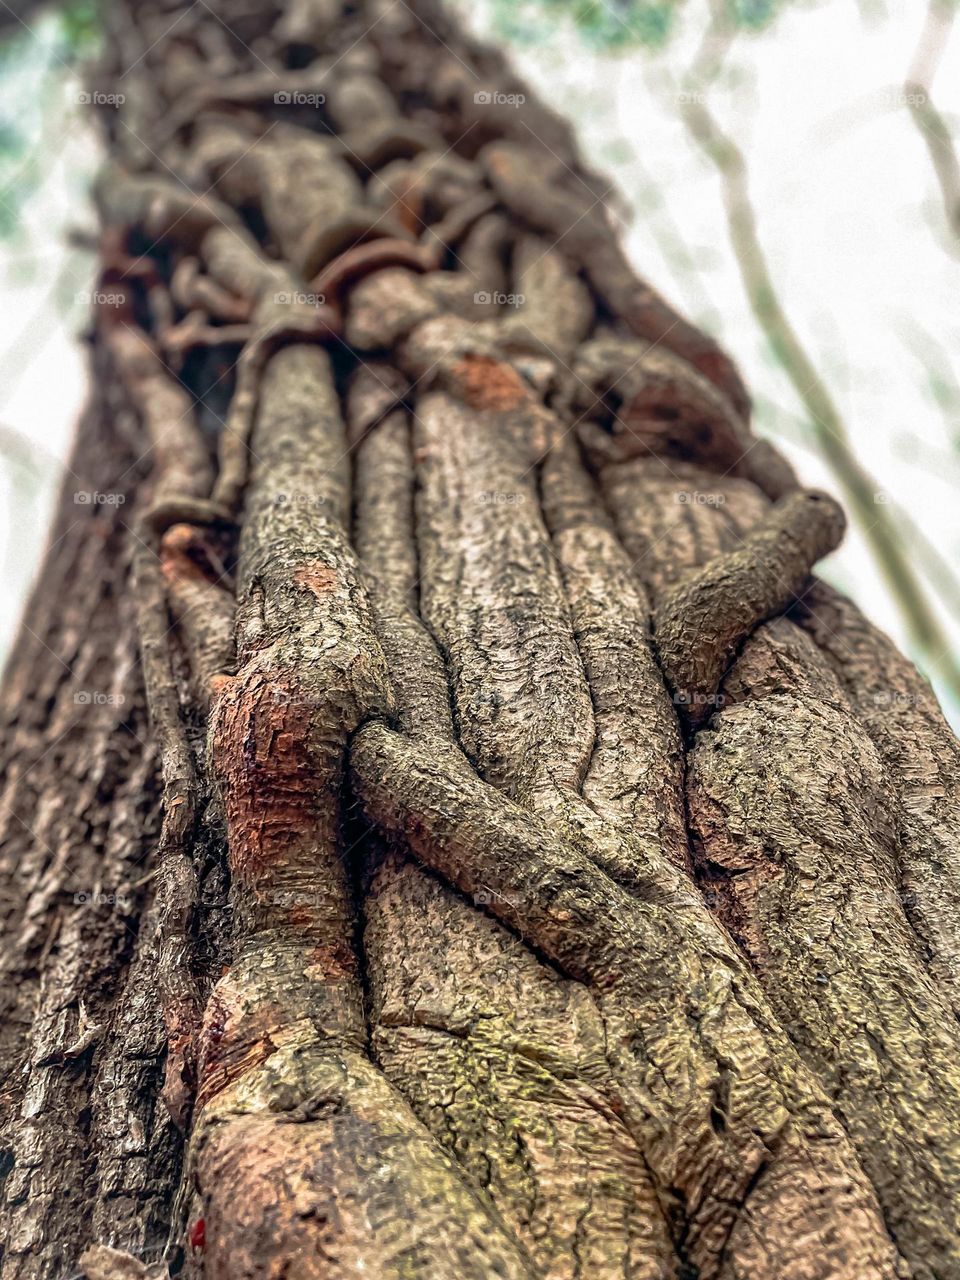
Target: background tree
(447, 830)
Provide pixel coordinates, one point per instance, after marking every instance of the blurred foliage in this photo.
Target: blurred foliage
(80, 26)
(611, 25)
(752, 15)
(602, 24)
(33, 63)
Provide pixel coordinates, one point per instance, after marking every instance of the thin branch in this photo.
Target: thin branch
(933, 128)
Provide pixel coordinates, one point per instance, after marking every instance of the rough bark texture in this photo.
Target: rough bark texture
(447, 830)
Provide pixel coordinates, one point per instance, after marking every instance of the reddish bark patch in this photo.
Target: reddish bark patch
(301, 918)
(318, 578)
(186, 555)
(723, 374)
(177, 555)
(485, 383)
(178, 538)
(219, 683)
(235, 1038)
(500, 165)
(407, 205)
(272, 779)
(350, 267)
(336, 960)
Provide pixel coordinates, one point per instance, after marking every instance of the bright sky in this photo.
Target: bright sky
(42, 364)
(849, 215)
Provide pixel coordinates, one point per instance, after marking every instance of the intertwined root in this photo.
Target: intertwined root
(704, 620)
(576, 891)
(769, 1152)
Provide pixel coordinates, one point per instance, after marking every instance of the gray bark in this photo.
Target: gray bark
(485, 849)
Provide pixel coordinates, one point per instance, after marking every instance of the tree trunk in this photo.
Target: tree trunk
(448, 832)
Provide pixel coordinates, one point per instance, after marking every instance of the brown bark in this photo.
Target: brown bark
(485, 849)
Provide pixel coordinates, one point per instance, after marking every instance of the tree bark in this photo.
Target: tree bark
(448, 832)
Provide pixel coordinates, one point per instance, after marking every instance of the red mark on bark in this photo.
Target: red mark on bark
(318, 578)
(485, 383)
(235, 1039)
(264, 754)
(198, 1234)
(350, 267)
(336, 960)
(185, 556)
(219, 683)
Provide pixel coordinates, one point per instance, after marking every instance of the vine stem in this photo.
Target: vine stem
(930, 123)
